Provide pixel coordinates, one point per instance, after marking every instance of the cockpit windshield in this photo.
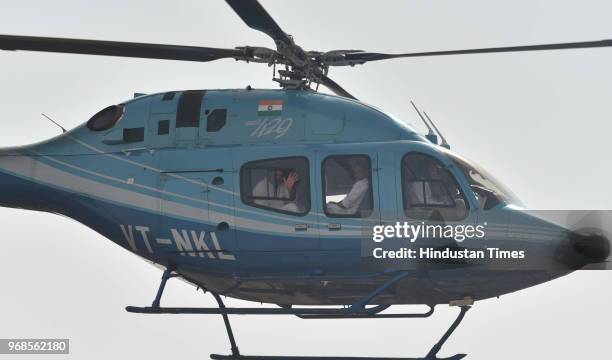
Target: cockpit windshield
(488, 191)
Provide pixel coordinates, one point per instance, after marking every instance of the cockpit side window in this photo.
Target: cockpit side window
(280, 185)
(106, 118)
(430, 192)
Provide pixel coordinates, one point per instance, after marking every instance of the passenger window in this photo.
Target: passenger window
(347, 184)
(277, 184)
(188, 111)
(430, 191)
(216, 120)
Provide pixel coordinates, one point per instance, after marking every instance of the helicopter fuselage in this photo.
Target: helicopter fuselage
(172, 177)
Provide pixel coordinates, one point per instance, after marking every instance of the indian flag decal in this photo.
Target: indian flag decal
(270, 107)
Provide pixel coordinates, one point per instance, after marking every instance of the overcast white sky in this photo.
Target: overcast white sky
(541, 122)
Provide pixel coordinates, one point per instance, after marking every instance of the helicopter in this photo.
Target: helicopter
(174, 177)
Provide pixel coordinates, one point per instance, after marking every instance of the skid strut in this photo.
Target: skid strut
(432, 354)
(357, 310)
(162, 285)
(228, 326)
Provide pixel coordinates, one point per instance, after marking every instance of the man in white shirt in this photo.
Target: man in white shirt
(277, 188)
(351, 202)
(430, 191)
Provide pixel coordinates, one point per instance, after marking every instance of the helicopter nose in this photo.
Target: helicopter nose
(593, 247)
(563, 239)
(580, 249)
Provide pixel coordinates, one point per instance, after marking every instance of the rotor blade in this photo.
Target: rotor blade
(256, 17)
(337, 89)
(360, 58)
(114, 48)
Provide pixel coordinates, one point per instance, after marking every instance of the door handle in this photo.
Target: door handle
(334, 227)
(301, 227)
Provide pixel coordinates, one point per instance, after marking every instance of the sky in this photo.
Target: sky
(541, 122)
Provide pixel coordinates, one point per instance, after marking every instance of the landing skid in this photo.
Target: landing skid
(357, 310)
(432, 355)
(251, 357)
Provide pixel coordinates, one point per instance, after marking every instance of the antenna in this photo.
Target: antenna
(444, 142)
(431, 136)
(60, 126)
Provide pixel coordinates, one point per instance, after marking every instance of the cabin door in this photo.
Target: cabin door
(348, 188)
(276, 209)
(198, 214)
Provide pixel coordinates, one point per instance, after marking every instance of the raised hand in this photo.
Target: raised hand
(291, 180)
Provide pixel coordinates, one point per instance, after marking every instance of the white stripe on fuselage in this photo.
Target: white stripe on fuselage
(49, 175)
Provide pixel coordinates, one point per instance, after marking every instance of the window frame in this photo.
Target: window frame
(324, 187)
(446, 168)
(244, 197)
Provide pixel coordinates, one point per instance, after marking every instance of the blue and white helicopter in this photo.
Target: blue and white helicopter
(272, 195)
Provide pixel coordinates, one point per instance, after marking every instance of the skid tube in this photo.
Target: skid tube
(357, 310)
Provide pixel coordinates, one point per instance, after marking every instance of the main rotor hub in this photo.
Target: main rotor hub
(301, 68)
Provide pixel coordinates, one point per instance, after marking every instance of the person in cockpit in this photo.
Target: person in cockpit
(434, 188)
(351, 202)
(276, 190)
(431, 188)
